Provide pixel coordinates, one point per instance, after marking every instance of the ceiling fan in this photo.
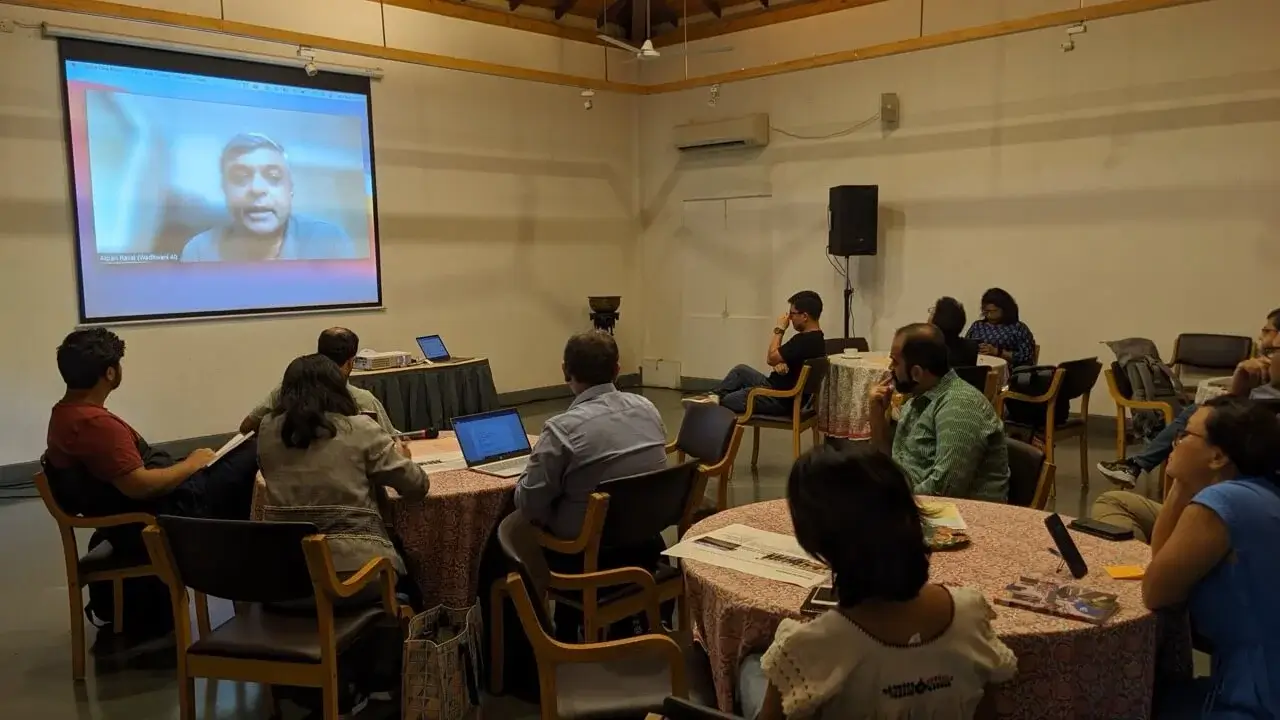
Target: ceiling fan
(647, 51)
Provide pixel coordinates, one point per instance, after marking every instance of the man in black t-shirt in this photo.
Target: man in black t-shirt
(786, 359)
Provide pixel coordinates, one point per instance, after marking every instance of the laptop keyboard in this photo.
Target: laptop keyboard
(507, 464)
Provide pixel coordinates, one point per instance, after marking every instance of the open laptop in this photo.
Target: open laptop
(494, 442)
(433, 349)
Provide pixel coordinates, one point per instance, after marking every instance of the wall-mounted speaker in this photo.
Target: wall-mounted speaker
(852, 220)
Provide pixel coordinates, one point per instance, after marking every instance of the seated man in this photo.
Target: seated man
(1252, 379)
(339, 345)
(98, 465)
(786, 359)
(605, 434)
(949, 439)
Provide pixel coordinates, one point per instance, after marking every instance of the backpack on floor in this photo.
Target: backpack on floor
(1142, 375)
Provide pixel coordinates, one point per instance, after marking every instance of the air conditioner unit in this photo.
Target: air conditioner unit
(750, 131)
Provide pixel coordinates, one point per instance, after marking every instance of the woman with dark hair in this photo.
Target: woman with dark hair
(855, 512)
(324, 463)
(1214, 547)
(947, 314)
(1000, 331)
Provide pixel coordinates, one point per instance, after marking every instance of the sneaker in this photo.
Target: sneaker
(1120, 472)
(709, 399)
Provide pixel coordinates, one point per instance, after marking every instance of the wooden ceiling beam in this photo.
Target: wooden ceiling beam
(761, 17)
(478, 13)
(563, 7)
(713, 7)
(513, 4)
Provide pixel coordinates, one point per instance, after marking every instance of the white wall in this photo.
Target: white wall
(502, 205)
(1126, 188)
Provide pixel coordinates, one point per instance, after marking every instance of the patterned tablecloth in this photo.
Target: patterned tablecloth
(843, 411)
(1066, 669)
(1211, 388)
(443, 534)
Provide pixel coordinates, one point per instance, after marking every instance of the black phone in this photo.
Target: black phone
(1067, 549)
(1106, 531)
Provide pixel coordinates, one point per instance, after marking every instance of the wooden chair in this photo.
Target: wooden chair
(1078, 379)
(628, 677)
(975, 375)
(674, 708)
(802, 418)
(993, 387)
(654, 501)
(1121, 395)
(1200, 356)
(711, 434)
(1031, 475)
(100, 565)
(258, 563)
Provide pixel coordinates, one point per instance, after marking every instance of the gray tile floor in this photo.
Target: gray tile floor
(35, 670)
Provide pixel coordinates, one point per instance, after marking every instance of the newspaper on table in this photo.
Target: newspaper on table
(943, 514)
(756, 552)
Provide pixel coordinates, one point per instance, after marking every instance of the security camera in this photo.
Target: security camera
(311, 69)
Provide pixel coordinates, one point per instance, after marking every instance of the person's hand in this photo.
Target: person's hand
(781, 369)
(200, 457)
(402, 447)
(986, 349)
(881, 394)
(1257, 370)
(784, 320)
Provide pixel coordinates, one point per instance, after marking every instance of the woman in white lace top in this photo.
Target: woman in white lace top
(897, 646)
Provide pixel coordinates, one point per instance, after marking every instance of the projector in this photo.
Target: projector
(374, 360)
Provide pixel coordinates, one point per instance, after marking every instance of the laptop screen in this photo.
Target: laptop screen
(433, 347)
(491, 436)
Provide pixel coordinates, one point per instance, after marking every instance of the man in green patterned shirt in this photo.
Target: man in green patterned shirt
(949, 439)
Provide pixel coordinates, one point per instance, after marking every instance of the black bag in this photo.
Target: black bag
(147, 610)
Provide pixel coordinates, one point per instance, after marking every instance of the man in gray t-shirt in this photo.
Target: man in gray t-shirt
(339, 345)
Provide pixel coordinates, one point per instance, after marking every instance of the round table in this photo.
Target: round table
(442, 535)
(1066, 668)
(1211, 388)
(843, 410)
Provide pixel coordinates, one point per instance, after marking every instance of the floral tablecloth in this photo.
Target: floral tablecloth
(444, 534)
(1066, 669)
(843, 411)
(1211, 388)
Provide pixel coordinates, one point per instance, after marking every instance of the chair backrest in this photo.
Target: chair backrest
(1208, 351)
(818, 368)
(674, 708)
(835, 346)
(240, 560)
(641, 506)
(519, 541)
(1026, 463)
(975, 375)
(1121, 378)
(706, 432)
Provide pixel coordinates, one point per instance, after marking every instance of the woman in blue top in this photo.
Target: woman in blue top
(1000, 333)
(1216, 546)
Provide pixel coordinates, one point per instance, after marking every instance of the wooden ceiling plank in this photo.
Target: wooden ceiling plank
(490, 16)
(713, 7)
(761, 17)
(513, 4)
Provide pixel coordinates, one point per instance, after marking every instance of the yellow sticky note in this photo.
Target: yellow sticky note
(1126, 572)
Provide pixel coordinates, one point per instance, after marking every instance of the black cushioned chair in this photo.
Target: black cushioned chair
(803, 415)
(711, 435)
(597, 680)
(259, 563)
(1200, 356)
(1031, 475)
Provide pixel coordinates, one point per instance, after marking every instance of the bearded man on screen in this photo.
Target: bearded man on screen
(257, 183)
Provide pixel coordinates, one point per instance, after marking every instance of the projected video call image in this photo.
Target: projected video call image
(199, 194)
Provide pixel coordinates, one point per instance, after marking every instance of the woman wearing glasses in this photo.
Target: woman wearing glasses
(1214, 547)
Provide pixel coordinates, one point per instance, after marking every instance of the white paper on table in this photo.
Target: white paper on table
(943, 514)
(230, 445)
(440, 461)
(765, 554)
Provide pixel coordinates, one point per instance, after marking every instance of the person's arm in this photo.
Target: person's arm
(959, 449)
(1250, 374)
(145, 484)
(774, 357)
(384, 420)
(108, 449)
(253, 420)
(879, 399)
(1024, 347)
(543, 480)
(1192, 539)
(388, 463)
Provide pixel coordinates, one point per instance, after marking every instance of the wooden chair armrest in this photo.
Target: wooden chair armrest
(1011, 395)
(325, 577)
(766, 392)
(653, 643)
(588, 536)
(671, 447)
(106, 521)
(617, 576)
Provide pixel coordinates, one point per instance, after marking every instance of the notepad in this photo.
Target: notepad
(1126, 572)
(231, 444)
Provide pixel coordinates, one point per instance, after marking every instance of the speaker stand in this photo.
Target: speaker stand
(848, 301)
